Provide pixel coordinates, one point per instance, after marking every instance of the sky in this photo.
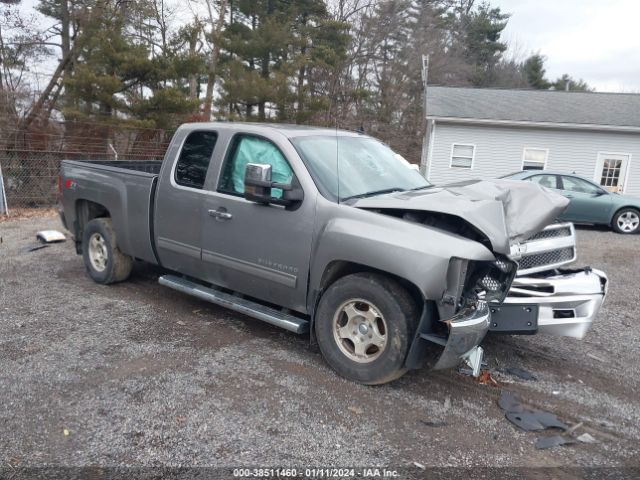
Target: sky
(596, 40)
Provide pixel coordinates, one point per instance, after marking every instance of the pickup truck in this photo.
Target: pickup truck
(328, 233)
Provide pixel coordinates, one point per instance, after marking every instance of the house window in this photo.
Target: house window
(462, 155)
(534, 158)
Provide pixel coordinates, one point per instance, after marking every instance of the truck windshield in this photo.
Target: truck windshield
(345, 167)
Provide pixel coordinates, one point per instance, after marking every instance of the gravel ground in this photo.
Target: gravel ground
(135, 374)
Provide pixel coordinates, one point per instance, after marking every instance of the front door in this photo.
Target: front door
(611, 171)
(258, 250)
(588, 202)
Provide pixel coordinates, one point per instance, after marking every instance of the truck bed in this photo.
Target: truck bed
(147, 166)
(125, 188)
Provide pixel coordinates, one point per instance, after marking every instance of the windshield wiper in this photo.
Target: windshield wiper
(375, 192)
(421, 188)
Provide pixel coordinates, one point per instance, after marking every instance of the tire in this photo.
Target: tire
(626, 221)
(103, 260)
(390, 316)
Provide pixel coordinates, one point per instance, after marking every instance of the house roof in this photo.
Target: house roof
(616, 111)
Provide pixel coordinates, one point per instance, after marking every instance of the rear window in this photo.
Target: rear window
(192, 166)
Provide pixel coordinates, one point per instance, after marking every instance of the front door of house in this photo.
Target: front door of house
(611, 171)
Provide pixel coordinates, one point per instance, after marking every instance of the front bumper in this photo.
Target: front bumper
(568, 300)
(465, 332)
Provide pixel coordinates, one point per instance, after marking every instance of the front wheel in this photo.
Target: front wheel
(626, 220)
(364, 325)
(103, 260)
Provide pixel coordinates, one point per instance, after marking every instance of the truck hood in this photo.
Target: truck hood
(507, 212)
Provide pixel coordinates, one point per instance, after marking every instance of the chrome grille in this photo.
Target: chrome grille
(551, 248)
(552, 233)
(552, 257)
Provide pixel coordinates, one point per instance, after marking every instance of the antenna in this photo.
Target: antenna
(337, 159)
(425, 152)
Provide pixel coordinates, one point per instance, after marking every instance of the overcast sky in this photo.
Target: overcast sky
(596, 40)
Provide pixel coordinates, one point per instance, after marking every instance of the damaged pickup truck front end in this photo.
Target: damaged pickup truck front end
(547, 297)
(492, 294)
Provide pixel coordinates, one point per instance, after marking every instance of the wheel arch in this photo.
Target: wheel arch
(86, 210)
(338, 269)
(635, 208)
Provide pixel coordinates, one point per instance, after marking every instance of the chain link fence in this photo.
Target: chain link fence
(30, 163)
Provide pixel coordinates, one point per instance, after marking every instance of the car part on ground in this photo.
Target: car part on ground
(50, 236)
(553, 441)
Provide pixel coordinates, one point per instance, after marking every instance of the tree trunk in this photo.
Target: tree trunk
(53, 82)
(215, 54)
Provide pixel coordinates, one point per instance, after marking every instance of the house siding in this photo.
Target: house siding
(499, 150)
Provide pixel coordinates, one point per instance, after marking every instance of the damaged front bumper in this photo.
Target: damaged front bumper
(564, 302)
(465, 332)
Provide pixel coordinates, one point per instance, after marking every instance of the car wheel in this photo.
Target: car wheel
(364, 325)
(103, 260)
(626, 220)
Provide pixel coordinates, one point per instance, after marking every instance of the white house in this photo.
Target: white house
(487, 133)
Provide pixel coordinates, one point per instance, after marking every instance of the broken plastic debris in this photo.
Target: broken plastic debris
(554, 441)
(33, 248)
(535, 420)
(520, 373)
(419, 465)
(595, 357)
(586, 438)
(435, 424)
(529, 420)
(65, 432)
(50, 236)
(509, 402)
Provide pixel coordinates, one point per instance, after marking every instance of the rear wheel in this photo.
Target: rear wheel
(103, 260)
(364, 325)
(626, 220)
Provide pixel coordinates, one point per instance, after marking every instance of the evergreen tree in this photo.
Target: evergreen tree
(566, 82)
(478, 33)
(535, 72)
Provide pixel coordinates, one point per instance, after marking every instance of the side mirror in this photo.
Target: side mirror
(257, 182)
(258, 185)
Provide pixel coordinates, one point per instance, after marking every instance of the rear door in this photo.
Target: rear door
(588, 203)
(180, 200)
(259, 250)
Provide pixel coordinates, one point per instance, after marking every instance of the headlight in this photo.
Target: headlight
(490, 281)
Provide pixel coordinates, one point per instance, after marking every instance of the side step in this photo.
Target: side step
(241, 305)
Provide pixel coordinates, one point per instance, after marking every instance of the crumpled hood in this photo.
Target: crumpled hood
(506, 211)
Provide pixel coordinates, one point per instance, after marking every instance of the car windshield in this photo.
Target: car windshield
(345, 167)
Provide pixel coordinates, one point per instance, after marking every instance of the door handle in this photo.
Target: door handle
(220, 214)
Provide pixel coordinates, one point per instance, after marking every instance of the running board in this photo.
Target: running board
(238, 304)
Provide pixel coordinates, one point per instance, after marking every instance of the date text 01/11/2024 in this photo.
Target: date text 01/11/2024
(373, 472)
